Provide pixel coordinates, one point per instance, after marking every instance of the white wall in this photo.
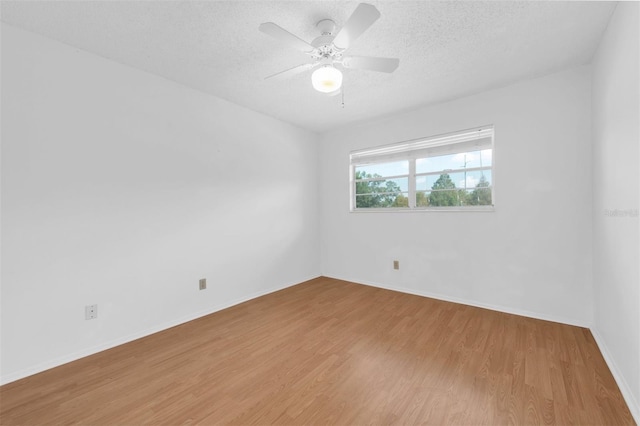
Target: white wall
(616, 186)
(122, 189)
(531, 255)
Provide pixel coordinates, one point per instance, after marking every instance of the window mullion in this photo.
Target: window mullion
(412, 183)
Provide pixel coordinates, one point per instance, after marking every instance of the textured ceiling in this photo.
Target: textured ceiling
(446, 49)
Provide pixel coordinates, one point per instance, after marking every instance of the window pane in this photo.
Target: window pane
(454, 198)
(382, 185)
(396, 168)
(446, 198)
(454, 161)
(424, 183)
(486, 157)
(472, 179)
(382, 200)
(436, 164)
(422, 198)
(480, 196)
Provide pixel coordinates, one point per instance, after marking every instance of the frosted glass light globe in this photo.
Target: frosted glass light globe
(326, 79)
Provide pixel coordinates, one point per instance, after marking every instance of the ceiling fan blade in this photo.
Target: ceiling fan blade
(361, 19)
(371, 63)
(291, 71)
(285, 36)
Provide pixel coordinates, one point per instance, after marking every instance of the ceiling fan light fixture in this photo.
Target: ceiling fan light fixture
(326, 79)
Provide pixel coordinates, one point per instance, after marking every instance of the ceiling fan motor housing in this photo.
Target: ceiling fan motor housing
(324, 47)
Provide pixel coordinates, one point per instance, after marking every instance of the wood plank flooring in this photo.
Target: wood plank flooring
(332, 352)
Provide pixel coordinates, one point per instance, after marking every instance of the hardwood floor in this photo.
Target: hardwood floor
(333, 352)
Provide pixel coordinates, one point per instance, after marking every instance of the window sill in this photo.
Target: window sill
(426, 210)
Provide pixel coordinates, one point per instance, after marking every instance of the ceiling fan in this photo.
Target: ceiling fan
(327, 50)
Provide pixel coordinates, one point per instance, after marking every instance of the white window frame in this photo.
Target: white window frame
(412, 150)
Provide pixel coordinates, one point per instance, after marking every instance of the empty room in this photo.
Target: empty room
(320, 212)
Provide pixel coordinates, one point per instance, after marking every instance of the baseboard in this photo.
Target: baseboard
(12, 377)
(625, 390)
(447, 298)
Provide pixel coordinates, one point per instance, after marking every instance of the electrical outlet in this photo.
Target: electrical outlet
(396, 264)
(90, 312)
(203, 283)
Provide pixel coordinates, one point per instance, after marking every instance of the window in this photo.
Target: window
(446, 172)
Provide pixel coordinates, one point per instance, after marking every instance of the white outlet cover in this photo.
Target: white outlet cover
(90, 312)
